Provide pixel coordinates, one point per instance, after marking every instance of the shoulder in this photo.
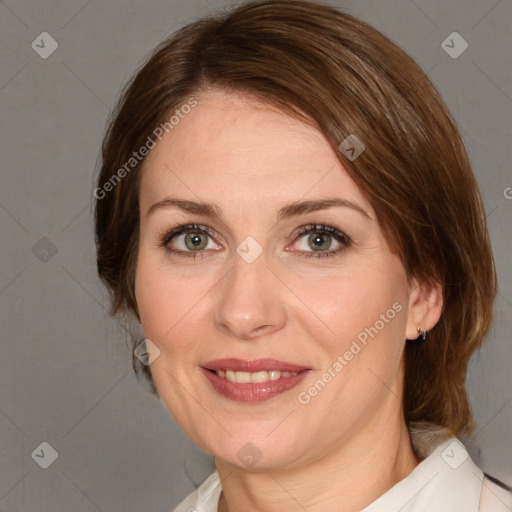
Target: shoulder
(496, 496)
(205, 498)
(446, 479)
(427, 438)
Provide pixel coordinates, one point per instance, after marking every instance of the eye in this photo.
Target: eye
(189, 241)
(320, 239)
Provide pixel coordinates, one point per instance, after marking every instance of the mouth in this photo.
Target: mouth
(253, 380)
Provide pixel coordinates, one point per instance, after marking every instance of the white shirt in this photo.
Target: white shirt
(446, 480)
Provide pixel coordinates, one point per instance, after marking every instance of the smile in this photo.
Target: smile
(249, 381)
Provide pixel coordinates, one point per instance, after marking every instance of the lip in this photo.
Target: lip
(252, 392)
(253, 365)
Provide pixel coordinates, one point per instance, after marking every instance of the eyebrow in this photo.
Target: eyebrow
(291, 210)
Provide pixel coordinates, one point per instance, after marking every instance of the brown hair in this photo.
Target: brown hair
(343, 76)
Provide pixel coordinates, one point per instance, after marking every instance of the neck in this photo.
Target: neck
(349, 478)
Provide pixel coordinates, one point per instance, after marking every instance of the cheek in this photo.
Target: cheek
(363, 313)
(366, 316)
(156, 296)
(169, 305)
(347, 304)
(149, 294)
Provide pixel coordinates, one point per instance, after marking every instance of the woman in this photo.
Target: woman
(286, 206)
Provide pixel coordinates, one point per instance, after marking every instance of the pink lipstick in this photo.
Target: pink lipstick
(253, 380)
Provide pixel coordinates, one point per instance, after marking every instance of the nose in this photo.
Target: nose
(250, 301)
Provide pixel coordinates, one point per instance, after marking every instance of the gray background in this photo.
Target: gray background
(65, 370)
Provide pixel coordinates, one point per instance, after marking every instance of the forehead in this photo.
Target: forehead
(234, 148)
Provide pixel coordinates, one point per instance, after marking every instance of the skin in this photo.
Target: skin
(251, 160)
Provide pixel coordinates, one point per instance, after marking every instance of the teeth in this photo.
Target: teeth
(242, 377)
(259, 376)
(255, 377)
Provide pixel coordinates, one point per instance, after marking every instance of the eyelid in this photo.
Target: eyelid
(315, 227)
(167, 234)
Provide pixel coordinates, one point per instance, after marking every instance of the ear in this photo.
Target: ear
(425, 307)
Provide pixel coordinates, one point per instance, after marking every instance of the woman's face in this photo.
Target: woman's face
(275, 277)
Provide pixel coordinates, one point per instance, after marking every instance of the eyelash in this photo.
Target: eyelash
(168, 234)
(339, 236)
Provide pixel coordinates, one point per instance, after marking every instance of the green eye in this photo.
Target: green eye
(320, 240)
(195, 240)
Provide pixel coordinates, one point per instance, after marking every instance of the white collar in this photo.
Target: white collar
(447, 479)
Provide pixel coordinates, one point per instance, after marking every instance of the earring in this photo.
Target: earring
(421, 333)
